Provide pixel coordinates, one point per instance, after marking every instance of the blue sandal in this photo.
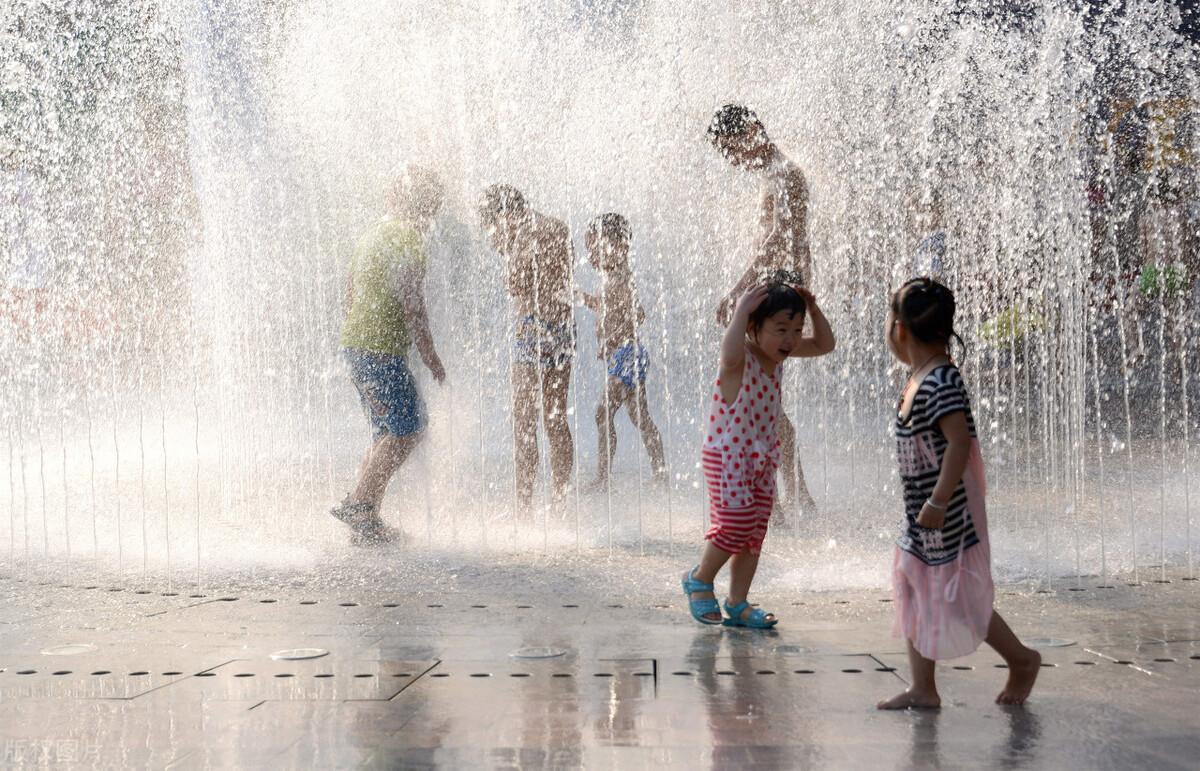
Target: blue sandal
(756, 620)
(700, 607)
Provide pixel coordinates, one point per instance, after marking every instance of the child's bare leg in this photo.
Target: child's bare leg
(651, 438)
(742, 568)
(525, 417)
(606, 431)
(712, 559)
(387, 454)
(787, 460)
(922, 694)
(1023, 663)
(556, 385)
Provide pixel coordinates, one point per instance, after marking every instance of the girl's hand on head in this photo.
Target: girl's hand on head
(809, 298)
(753, 298)
(931, 518)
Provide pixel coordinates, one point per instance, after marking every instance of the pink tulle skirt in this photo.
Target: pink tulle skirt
(945, 609)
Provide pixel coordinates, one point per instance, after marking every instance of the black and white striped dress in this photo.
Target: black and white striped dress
(920, 447)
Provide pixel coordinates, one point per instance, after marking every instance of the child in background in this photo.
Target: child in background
(618, 316)
(742, 449)
(942, 572)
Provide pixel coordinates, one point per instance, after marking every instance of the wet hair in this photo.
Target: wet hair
(926, 309)
(780, 297)
(500, 200)
(732, 120)
(611, 227)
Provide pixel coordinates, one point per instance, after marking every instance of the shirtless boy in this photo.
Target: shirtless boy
(740, 137)
(539, 257)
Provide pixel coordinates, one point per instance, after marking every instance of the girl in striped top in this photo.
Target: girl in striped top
(742, 449)
(942, 572)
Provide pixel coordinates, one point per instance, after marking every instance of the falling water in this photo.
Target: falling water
(201, 170)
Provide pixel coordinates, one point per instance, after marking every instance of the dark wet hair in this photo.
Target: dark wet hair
(732, 120)
(611, 227)
(499, 200)
(780, 297)
(926, 309)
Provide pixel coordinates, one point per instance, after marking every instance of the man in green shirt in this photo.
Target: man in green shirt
(387, 315)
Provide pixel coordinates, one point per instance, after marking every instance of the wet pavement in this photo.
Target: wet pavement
(167, 680)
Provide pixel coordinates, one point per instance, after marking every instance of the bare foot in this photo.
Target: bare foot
(911, 699)
(1020, 680)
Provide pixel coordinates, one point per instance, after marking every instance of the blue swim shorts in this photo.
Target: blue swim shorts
(543, 344)
(629, 363)
(388, 392)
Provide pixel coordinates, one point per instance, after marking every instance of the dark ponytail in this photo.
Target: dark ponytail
(926, 309)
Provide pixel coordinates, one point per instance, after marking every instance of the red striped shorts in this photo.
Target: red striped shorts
(740, 529)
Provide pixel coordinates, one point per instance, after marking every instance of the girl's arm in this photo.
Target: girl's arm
(821, 340)
(954, 463)
(733, 345)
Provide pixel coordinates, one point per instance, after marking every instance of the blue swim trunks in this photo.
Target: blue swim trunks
(388, 392)
(629, 362)
(543, 344)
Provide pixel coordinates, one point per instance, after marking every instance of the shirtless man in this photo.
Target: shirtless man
(739, 136)
(539, 255)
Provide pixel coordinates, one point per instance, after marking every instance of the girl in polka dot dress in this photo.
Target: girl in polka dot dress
(741, 449)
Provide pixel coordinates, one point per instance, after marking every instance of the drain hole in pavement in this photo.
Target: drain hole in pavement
(570, 606)
(1105, 586)
(265, 602)
(764, 672)
(114, 589)
(102, 672)
(804, 671)
(402, 674)
(440, 674)
(561, 674)
(1001, 666)
(142, 591)
(284, 674)
(852, 671)
(1077, 589)
(170, 594)
(227, 599)
(726, 672)
(650, 674)
(198, 674)
(391, 605)
(1195, 657)
(171, 674)
(602, 674)
(480, 674)
(365, 674)
(1085, 663)
(662, 606)
(479, 606)
(63, 672)
(434, 606)
(963, 668)
(1048, 664)
(308, 602)
(519, 674)
(841, 602)
(244, 674)
(885, 669)
(682, 673)
(616, 606)
(524, 607)
(1126, 662)
(196, 596)
(886, 599)
(1164, 660)
(348, 604)
(27, 672)
(138, 674)
(323, 674)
